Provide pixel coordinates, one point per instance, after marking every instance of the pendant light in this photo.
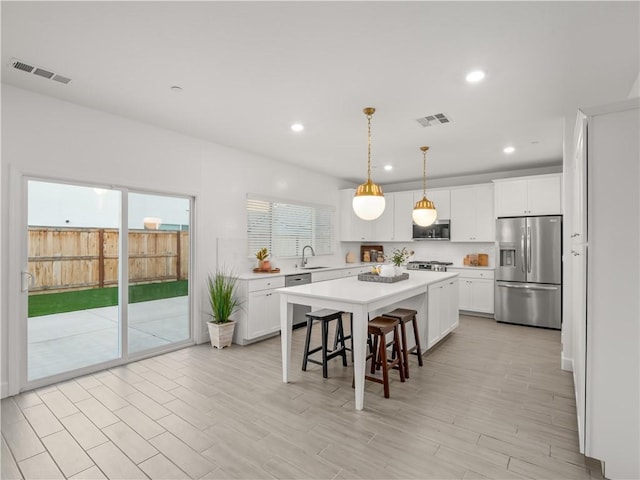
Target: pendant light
(424, 213)
(368, 202)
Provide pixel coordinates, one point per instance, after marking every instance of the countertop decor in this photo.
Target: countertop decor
(263, 263)
(260, 270)
(372, 277)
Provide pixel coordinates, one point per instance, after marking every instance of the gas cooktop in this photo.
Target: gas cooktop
(433, 265)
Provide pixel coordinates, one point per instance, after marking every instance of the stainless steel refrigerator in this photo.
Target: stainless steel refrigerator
(529, 271)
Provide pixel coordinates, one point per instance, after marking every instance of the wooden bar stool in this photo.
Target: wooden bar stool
(404, 316)
(324, 316)
(378, 328)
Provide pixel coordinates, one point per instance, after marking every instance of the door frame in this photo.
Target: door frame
(17, 300)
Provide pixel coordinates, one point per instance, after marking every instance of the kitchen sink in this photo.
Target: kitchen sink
(311, 268)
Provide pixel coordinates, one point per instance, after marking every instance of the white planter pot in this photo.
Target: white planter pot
(221, 334)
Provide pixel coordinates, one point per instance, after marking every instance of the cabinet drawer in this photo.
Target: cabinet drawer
(265, 283)
(468, 273)
(352, 272)
(322, 276)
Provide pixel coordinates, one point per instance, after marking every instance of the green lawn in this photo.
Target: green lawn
(49, 303)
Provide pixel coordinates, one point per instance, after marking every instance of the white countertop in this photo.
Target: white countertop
(352, 290)
(294, 271)
(469, 267)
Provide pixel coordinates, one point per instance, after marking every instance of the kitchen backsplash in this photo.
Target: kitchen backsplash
(435, 250)
(232, 253)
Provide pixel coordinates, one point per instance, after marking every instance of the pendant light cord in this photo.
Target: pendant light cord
(369, 148)
(424, 171)
(424, 174)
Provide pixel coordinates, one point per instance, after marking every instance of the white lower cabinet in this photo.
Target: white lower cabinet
(260, 313)
(352, 272)
(476, 295)
(476, 290)
(325, 275)
(442, 311)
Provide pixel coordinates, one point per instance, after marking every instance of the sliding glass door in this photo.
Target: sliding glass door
(78, 317)
(158, 307)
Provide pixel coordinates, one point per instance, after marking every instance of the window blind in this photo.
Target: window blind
(285, 228)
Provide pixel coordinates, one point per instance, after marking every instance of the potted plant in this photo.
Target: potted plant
(398, 257)
(223, 300)
(263, 263)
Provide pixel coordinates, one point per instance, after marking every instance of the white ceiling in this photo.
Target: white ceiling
(250, 69)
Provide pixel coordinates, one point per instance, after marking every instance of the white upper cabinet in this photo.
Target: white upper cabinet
(402, 217)
(537, 195)
(442, 200)
(352, 227)
(472, 218)
(383, 225)
(394, 225)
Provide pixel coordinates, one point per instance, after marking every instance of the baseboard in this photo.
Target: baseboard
(476, 314)
(566, 364)
(4, 390)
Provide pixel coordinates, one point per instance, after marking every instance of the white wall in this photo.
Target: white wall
(45, 137)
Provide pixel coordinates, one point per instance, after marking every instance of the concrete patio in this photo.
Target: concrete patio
(67, 341)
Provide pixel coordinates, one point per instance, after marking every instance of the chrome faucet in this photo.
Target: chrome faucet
(304, 260)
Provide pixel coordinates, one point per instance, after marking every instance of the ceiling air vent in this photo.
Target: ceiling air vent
(61, 79)
(41, 72)
(22, 66)
(431, 120)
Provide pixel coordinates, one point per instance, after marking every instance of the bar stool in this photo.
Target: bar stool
(405, 315)
(346, 337)
(378, 328)
(324, 316)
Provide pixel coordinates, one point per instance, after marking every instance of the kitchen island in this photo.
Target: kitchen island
(422, 289)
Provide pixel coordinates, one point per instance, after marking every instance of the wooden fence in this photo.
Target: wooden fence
(66, 259)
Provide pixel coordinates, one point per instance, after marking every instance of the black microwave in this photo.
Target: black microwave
(439, 230)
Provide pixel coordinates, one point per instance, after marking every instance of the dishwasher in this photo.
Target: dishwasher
(299, 311)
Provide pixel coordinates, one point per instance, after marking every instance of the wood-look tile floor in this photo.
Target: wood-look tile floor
(489, 402)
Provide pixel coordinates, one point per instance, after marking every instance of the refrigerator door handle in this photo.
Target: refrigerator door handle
(522, 251)
(528, 249)
(526, 287)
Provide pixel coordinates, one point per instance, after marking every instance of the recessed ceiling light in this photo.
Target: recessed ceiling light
(508, 149)
(175, 88)
(297, 127)
(475, 76)
(388, 168)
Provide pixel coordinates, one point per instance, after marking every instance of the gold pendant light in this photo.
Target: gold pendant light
(368, 202)
(424, 213)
